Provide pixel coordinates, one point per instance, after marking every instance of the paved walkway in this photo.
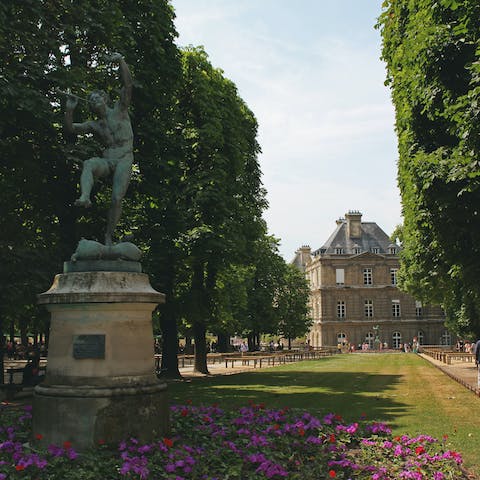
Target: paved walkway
(464, 373)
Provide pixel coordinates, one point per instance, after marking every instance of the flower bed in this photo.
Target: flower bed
(252, 443)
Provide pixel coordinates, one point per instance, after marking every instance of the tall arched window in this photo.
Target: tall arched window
(396, 339)
(446, 338)
(370, 339)
(341, 337)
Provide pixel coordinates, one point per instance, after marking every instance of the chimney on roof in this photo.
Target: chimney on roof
(303, 256)
(354, 224)
(304, 251)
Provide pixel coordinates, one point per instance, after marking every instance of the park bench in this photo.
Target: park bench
(459, 356)
(188, 360)
(255, 359)
(446, 356)
(12, 387)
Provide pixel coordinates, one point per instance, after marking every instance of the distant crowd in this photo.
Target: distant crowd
(18, 351)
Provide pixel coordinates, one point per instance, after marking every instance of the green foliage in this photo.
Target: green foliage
(221, 192)
(196, 199)
(49, 46)
(292, 302)
(432, 54)
(269, 271)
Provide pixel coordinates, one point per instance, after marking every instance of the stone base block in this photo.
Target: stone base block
(87, 416)
(100, 383)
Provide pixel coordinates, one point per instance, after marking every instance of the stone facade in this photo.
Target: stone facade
(354, 296)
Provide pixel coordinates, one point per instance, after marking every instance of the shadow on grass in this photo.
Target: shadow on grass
(350, 394)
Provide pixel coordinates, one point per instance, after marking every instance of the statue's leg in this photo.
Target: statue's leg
(121, 179)
(92, 168)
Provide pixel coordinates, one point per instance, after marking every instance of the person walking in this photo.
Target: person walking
(476, 351)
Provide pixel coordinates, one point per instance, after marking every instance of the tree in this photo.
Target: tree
(221, 188)
(50, 46)
(293, 310)
(195, 200)
(431, 50)
(264, 291)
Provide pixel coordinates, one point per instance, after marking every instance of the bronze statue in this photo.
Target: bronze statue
(113, 128)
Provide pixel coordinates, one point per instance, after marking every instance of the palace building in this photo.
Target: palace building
(354, 296)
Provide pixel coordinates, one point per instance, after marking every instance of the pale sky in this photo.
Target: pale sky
(310, 71)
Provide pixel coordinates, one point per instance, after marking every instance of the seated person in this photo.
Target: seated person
(31, 372)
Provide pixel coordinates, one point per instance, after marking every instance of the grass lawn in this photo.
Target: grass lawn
(404, 390)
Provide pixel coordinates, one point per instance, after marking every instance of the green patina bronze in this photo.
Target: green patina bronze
(113, 129)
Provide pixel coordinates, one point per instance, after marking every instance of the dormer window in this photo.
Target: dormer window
(357, 250)
(375, 250)
(339, 251)
(392, 249)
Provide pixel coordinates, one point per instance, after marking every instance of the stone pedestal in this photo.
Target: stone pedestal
(100, 384)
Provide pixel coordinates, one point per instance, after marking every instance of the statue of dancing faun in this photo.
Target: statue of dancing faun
(113, 128)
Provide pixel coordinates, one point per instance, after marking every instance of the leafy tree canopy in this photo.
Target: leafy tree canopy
(432, 51)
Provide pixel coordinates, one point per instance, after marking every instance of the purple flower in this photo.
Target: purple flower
(411, 475)
(271, 469)
(378, 428)
(351, 429)
(72, 454)
(144, 449)
(256, 458)
(137, 465)
(398, 451)
(55, 450)
(382, 472)
(328, 419)
(258, 441)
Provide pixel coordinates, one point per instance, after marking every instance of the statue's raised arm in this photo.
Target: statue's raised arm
(125, 77)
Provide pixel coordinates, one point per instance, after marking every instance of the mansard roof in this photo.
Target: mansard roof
(372, 239)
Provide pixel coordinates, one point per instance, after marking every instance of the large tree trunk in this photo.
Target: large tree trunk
(2, 349)
(188, 350)
(168, 324)
(35, 331)
(23, 331)
(12, 330)
(251, 341)
(200, 336)
(223, 343)
(199, 301)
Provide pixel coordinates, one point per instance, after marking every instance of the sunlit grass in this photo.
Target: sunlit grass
(404, 390)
